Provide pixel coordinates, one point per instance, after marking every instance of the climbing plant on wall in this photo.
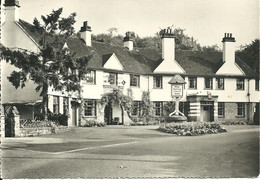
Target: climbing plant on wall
(146, 105)
(117, 96)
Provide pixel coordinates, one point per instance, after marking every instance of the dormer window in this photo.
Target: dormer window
(134, 80)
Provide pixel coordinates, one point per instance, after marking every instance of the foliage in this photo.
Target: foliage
(53, 65)
(117, 96)
(144, 123)
(250, 55)
(60, 119)
(234, 122)
(192, 128)
(182, 40)
(146, 105)
(92, 123)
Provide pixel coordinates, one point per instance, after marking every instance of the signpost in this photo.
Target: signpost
(177, 83)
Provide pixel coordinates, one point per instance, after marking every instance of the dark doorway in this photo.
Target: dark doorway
(207, 111)
(108, 114)
(256, 114)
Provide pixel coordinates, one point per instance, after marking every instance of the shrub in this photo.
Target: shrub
(92, 123)
(192, 128)
(60, 119)
(234, 123)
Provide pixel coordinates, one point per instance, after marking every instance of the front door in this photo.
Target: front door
(74, 115)
(206, 113)
(108, 114)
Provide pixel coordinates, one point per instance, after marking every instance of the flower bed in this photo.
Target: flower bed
(143, 123)
(192, 128)
(92, 123)
(234, 123)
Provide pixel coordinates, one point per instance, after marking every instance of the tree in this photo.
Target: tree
(54, 65)
(250, 55)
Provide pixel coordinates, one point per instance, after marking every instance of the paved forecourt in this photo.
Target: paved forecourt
(120, 151)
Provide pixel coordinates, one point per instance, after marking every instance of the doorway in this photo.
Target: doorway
(108, 114)
(207, 113)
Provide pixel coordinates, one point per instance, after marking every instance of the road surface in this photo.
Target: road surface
(122, 151)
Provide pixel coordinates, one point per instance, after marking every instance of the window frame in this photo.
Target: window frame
(194, 82)
(210, 82)
(132, 80)
(160, 108)
(257, 84)
(243, 84)
(65, 105)
(136, 107)
(90, 76)
(218, 81)
(93, 107)
(221, 107)
(155, 78)
(115, 78)
(240, 108)
(56, 105)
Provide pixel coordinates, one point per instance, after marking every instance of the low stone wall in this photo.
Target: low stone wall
(30, 132)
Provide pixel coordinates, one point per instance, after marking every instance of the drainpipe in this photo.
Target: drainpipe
(248, 103)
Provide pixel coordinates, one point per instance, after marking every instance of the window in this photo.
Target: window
(192, 83)
(56, 105)
(65, 105)
(220, 83)
(90, 107)
(90, 77)
(240, 84)
(208, 83)
(221, 109)
(257, 84)
(112, 78)
(240, 109)
(157, 82)
(134, 80)
(158, 108)
(136, 111)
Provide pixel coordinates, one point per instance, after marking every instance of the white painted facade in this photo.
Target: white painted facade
(14, 36)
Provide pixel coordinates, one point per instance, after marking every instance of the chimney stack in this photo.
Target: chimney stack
(168, 44)
(128, 41)
(228, 48)
(85, 33)
(11, 10)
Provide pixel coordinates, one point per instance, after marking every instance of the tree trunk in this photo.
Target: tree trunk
(45, 101)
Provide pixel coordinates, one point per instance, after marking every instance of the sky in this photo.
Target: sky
(205, 20)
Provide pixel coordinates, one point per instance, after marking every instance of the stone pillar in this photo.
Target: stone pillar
(69, 112)
(2, 126)
(16, 125)
(61, 104)
(215, 110)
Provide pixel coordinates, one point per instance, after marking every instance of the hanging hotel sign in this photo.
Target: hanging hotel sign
(177, 90)
(177, 83)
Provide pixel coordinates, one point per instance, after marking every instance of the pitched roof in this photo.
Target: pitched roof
(144, 60)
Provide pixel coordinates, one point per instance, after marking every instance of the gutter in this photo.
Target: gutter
(248, 103)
